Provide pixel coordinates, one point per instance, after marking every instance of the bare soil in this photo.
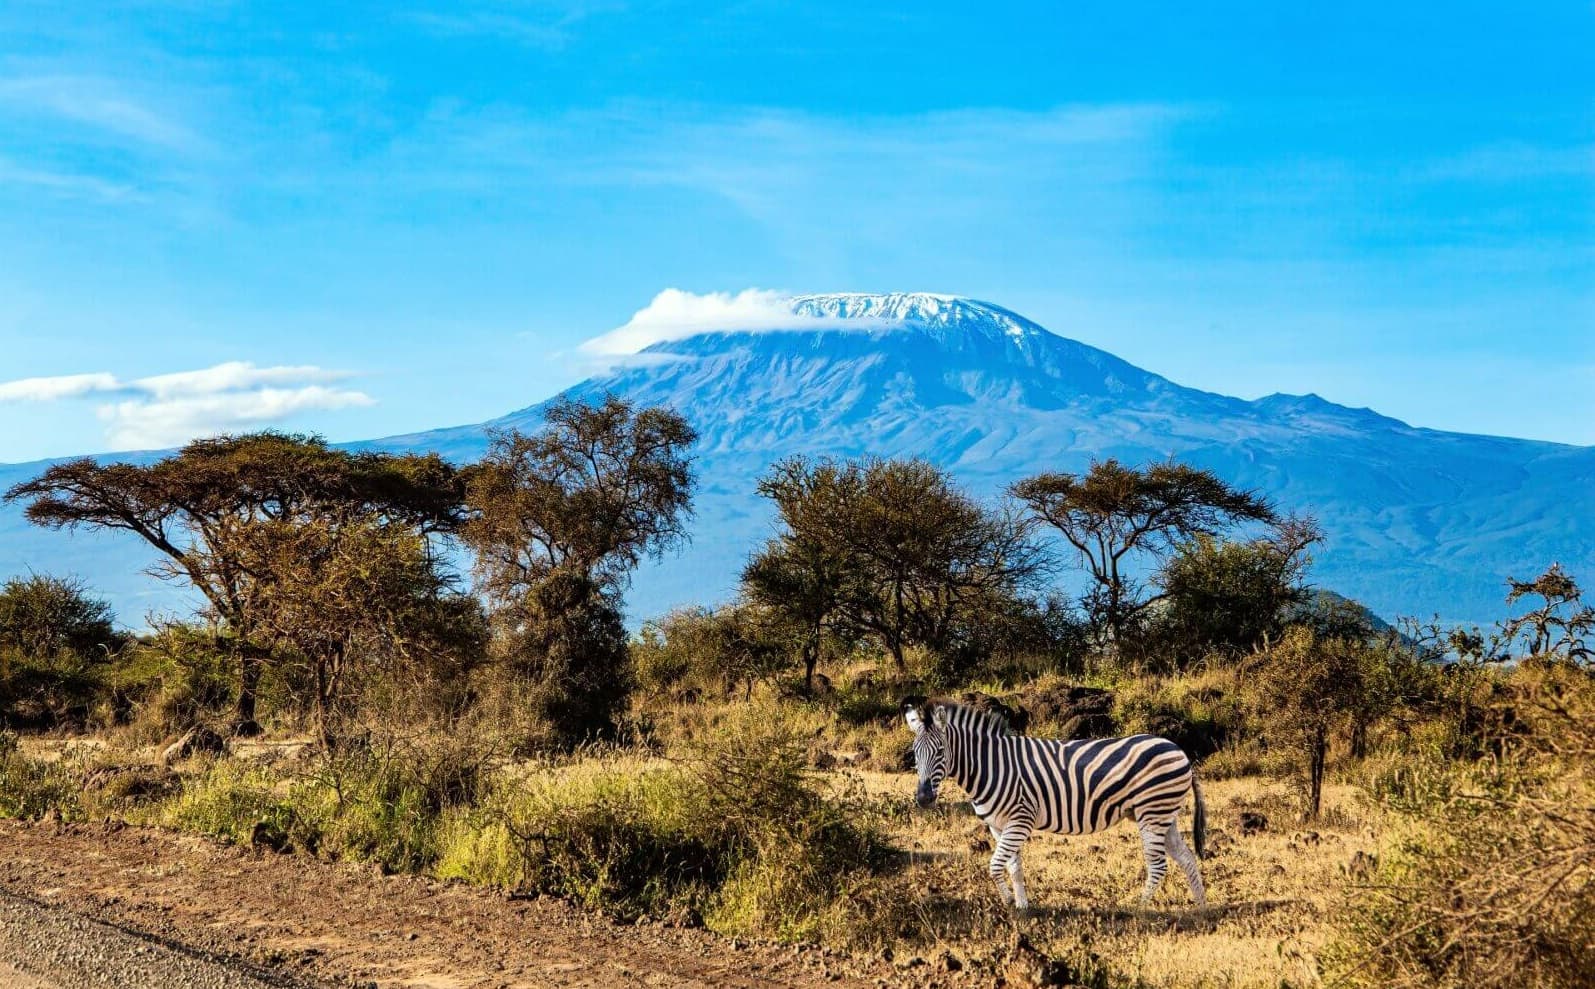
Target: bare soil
(317, 923)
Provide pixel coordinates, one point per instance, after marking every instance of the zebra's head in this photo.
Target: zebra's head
(930, 748)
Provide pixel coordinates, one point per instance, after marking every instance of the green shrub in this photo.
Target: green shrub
(239, 803)
(732, 832)
(31, 788)
(170, 681)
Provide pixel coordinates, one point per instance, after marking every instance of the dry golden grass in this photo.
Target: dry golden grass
(1270, 894)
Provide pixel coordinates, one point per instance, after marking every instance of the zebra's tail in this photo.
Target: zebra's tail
(1199, 819)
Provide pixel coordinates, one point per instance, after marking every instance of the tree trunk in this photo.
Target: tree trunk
(250, 662)
(1315, 781)
(811, 658)
(1359, 738)
(897, 630)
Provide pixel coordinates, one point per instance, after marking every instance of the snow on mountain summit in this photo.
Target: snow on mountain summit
(922, 309)
(675, 315)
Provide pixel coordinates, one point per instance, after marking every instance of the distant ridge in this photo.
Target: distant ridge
(1419, 521)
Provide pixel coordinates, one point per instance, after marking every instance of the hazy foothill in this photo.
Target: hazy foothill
(424, 664)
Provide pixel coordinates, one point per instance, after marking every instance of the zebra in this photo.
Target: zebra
(1020, 785)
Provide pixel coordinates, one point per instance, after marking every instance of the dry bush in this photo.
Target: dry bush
(1493, 884)
(1201, 712)
(731, 832)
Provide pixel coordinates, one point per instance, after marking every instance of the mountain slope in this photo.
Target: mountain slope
(1419, 521)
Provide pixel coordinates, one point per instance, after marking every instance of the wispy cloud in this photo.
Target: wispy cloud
(58, 387)
(64, 184)
(1514, 162)
(100, 104)
(548, 25)
(167, 409)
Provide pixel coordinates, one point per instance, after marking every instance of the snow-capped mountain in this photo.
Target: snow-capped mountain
(1419, 521)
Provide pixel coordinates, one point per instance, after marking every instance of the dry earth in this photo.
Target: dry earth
(288, 917)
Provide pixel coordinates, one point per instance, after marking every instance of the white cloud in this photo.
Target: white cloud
(58, 387)
(168, 409)
(143, 424)
(675, 315)
(548, 25)
(233, 376)
(64, 184)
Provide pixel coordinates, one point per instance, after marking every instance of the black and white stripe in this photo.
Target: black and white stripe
(1020, 785)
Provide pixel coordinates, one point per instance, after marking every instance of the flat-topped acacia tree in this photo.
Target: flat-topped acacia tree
(1112, 511)
(206, 507)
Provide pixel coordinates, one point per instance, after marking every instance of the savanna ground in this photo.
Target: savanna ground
(1273, 885)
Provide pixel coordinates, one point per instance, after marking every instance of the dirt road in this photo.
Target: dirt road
(46, 947)
(265, 919)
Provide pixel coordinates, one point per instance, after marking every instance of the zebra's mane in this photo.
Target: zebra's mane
(982, 722)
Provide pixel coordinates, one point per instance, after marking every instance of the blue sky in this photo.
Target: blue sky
(368, 219)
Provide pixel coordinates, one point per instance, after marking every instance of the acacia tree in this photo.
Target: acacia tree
(1562, 626)
(890, 549)
(1112, 511)
(201, 507)
(558, 521)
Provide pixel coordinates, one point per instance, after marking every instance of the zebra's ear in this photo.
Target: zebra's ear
(938, 714)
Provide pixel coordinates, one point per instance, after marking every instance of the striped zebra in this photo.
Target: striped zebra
(1020, 785)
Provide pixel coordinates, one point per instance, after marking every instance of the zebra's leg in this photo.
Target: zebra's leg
(996, 869)
(1005, 859)
(1153, 837)
(1016, 879)
(1181, 854)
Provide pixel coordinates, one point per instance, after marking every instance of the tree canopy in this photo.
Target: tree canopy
(206, 507)
(891, 549)
(1113, 511)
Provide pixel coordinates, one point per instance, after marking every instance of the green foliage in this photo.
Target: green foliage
(1200, 714)
(1561, 627)
(172, 679)
(56, 645)
(696, 648)
(239, 802)
(31, 788)
(888, 550)
(1308, 686)
(1225, 597)
(558, 520)
(43, 616)
(567, 644)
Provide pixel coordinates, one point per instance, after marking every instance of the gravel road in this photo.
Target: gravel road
(45, 947)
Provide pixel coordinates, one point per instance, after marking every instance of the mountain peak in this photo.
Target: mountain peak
(930, 310)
